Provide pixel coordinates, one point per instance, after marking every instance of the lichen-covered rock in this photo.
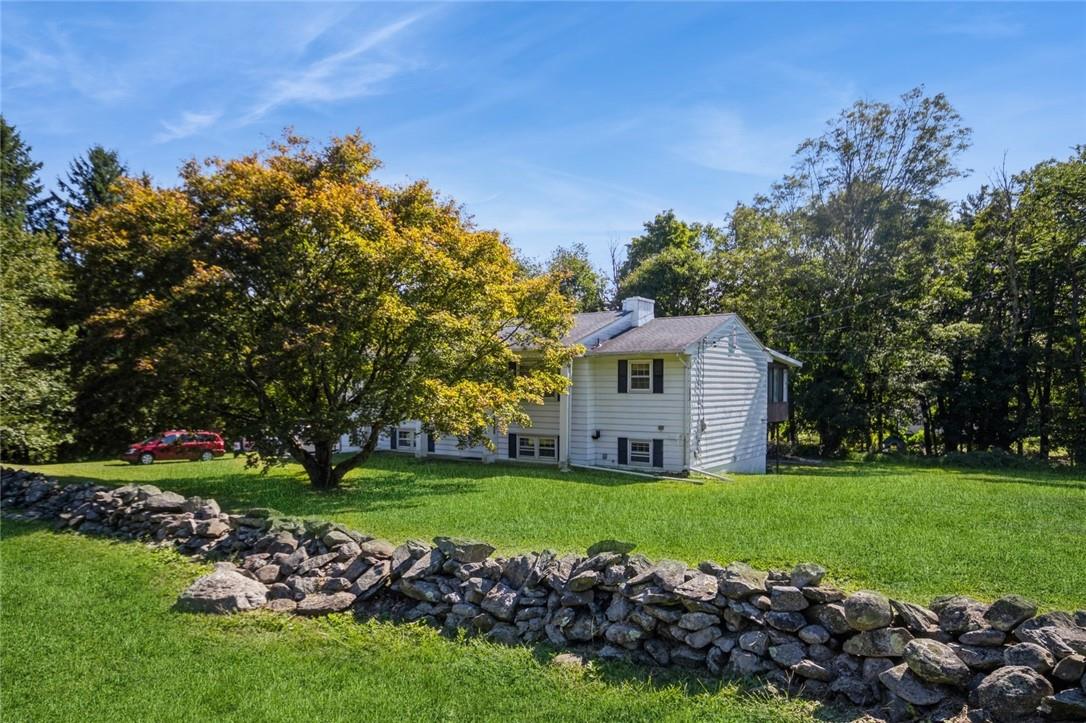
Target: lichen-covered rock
(501, 601)
(806, 574)
(1030, 655)
(977, 657)
(880, 643)
(935, 662)
(1070, 668)
(903, 683)
(1009, 611)
(223, 591)
(1012, 692)
(830, 616)
(788, 654)
(1056, 631)
(463, 550)
(1067, 705)
(787, 598)
(700, 587)
(868, 610)
(960, 614)
(739, 580)
(697, 621)
(164, 502)
(322, 604)
(986, 636)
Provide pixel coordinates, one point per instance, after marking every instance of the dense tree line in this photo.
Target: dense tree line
(965, 320)
(961, 321)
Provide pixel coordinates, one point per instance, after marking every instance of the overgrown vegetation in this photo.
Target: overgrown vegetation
(911, 531)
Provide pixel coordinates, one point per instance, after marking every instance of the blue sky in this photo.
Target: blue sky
(553, 123)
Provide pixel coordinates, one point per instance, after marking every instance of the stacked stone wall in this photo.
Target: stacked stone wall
(957, 658)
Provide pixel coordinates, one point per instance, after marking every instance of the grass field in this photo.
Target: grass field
(89, 635)
(912, 532)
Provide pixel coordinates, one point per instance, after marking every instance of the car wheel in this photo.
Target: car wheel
(147, 458)
(206, 456)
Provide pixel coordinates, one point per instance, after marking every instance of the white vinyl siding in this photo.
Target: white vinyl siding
(598, 405)
(728, 402)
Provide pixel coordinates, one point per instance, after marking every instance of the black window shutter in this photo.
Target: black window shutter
(512, 446)
(623, 448)
(657, 376)
(623, 372)
(657, 453)
(513, 368)
(393, 437)
(429, 441)
(557, 448)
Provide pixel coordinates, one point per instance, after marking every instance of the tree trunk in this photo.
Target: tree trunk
(318, 465)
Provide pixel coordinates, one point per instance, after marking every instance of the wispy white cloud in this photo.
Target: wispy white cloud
(338, 76)
(189, 124)
(986, 27)
(722, 140)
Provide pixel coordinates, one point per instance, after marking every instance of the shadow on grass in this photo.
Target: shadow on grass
(388, 481)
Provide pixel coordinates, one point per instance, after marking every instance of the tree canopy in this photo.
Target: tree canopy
(304, 300)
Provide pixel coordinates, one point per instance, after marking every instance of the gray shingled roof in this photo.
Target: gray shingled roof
(666, 334)
(587, 323)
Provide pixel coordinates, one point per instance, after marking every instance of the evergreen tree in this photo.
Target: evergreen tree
(34, 394)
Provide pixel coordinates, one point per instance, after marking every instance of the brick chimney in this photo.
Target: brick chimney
(642, 310)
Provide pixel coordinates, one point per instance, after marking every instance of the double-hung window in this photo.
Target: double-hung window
(405, 439)
(640, 451)
(537, 447)
(641, 375)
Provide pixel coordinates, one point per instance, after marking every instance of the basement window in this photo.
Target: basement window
(640, 451)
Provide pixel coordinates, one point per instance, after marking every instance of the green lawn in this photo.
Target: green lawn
(910, 531)
(89, 635)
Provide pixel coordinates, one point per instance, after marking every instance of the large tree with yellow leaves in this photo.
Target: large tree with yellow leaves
(317, 301)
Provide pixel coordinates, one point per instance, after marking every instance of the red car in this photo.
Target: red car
(177, 444)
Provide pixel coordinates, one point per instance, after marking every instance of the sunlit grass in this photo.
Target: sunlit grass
(89, 634)
(910, 531)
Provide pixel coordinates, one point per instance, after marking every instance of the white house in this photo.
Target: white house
(664, 395)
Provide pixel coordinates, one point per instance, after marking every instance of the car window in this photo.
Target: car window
(169, 439)
(149, 440)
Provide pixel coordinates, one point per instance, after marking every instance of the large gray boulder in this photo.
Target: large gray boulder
(868, 610)
(224, 591)
(1012, 692)
(935, 662)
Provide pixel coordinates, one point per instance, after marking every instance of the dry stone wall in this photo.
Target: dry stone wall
(955, 659)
